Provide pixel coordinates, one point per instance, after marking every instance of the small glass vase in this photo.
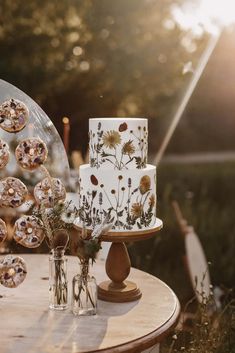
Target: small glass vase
(58, 283)
(84, 292)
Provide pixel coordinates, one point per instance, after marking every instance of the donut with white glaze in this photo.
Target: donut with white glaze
(12, 192)
(12, 271)
(49, 191)
(28, 231)
(31, 153)
(14, 115)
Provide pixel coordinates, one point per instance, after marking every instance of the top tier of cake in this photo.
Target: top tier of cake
(118, 143)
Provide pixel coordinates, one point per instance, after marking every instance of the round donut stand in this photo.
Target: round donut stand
(118, 265)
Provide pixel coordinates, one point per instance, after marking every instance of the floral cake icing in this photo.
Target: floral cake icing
(118, 183)
(118, 143)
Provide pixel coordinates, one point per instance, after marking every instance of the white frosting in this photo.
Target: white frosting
(128, 196)
(118, 143)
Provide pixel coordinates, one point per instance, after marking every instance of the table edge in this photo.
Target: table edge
(147, 341)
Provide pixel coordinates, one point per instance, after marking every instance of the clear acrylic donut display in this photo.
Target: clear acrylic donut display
(25, 127)
(37, 125)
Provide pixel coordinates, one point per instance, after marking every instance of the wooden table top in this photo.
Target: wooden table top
(28, 326)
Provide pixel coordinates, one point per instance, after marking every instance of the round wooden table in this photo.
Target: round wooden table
(28, 326)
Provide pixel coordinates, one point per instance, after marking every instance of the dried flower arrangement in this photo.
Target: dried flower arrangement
(57, 221)
(84, 297)
(89, 242)
(57, 217)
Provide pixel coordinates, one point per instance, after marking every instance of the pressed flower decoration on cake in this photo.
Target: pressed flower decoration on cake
(110, 148)
(138, 210)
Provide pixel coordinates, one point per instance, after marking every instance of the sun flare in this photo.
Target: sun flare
(222, 11)
(209, 15)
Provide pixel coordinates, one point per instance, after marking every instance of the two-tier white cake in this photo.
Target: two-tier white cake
(118, 182)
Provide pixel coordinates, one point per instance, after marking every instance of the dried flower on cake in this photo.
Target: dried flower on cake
(111, 139)
(94, 180)
(145, 184)
(136, 210)
(152, 201)
(130, 203)
(128, 148)
(123, 127)
(133, 151)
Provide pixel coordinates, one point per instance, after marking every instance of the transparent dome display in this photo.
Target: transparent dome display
(39, 125)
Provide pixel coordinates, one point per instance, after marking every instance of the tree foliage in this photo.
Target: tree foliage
(97, 58)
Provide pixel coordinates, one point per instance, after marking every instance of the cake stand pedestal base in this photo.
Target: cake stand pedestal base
(118, 265)
(128, 293)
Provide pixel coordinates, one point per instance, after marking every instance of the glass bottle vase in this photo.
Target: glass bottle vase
(58, 283)
(84, 292)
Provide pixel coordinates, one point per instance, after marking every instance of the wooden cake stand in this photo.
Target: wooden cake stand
(118, 265)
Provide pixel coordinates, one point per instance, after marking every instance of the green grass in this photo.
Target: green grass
(206, 194)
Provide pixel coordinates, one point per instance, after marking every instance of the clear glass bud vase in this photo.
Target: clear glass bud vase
(58, 283)
(84, 292)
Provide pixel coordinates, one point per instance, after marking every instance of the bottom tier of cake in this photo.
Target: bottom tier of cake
(127, 198)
